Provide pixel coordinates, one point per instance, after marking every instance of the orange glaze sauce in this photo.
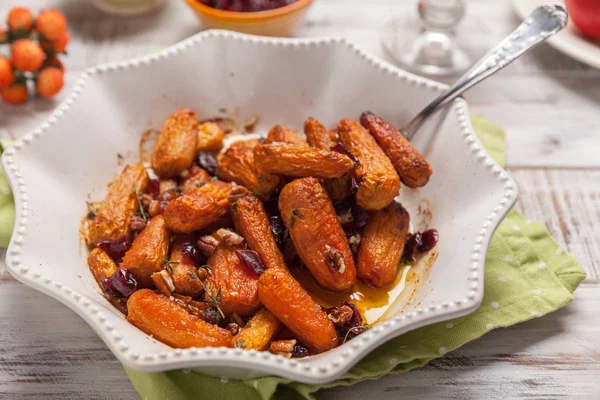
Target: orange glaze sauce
(372, 302)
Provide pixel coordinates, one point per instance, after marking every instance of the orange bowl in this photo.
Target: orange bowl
(277, 22)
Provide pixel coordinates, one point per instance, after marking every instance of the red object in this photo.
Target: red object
(20, 20)
(49, 81)
(27, 55)
(14, 94)
(51, 24)
(116, 249)
(586, 16)
(6, 73)
(246, 5)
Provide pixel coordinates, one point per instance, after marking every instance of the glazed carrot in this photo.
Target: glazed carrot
(236, 283)
(293, 306)
(318, 136)
(148, 251)
(210, 137)
(170, 323)
(176, 145)
(182, 267)
(300, 161)
(281, 133)
(317, 234)
(196, 209)
(258, 332)
(413, 168)
(113, 216)
(252, 222)
(382, 245)
(101, 265)
(237, 164)
(197, 177)
(378, 182)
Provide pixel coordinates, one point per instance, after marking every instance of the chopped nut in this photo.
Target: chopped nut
(137, 223)
(230, 237)
(250, 124)
(154, 208)
(167, 184)
(208, 244)
(354, 242)
(162, 205)
(340, 315)
(163, 282)
(145, 199)
(237, 191)
(283, 347)
(238, 320)
(201, 274)
(335, 259)
(168, 195)
(233, 328)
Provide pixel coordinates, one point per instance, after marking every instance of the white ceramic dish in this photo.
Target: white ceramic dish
(54, 169)
(570, 41)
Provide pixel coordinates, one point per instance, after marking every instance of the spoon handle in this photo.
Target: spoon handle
(542, 23)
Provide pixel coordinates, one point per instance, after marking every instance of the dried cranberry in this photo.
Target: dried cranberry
(411, 245)
(116, 249)
(429, 239)
(300, 351)
(360, 218)
(121, 284)
(340, 148)
(251, 260)
(193, 254)
(153, 187)
(208, 161)
(210, 315)
(278, 229)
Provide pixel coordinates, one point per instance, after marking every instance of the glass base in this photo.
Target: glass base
(427, 52)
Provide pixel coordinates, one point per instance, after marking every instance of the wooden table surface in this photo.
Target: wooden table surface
(550, 107)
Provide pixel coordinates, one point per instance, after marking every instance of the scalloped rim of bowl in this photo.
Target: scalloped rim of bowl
(316, 369)
(240, 16)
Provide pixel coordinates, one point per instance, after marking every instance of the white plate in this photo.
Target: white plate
(569, 41)
(53, 169)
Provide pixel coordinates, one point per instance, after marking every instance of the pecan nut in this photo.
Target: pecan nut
(208, 244)
(335, 259)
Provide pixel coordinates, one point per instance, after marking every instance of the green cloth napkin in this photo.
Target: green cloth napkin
(527, 275)
(7, 208)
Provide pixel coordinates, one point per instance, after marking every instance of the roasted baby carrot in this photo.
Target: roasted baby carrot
(196, 209)
(236, 284)
(101, 265)
(148, 251)
(237, 164)
(300, 161)
(210, 137)
(293, 306)
(176, 145)
(170, 323)
(378, 182)
(281, 133)
(182, 267)
(252, 222)
(317, 234)
(197, 177)
(258, 332)
(382, 245)
(318, 136)
(114, 214)
(413, 168)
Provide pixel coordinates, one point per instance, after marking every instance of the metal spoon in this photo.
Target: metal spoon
(542, 23)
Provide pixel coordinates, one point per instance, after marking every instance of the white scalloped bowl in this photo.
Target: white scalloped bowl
(54, 169)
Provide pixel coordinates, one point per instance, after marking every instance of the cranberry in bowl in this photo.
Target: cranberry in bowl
(257, 17)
